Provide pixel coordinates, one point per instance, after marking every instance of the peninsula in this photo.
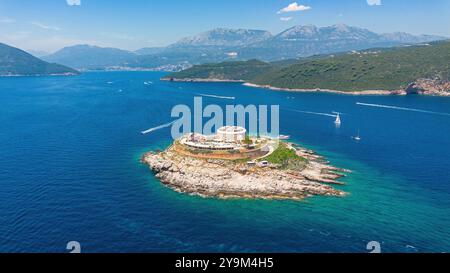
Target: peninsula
(15, 62)
(230, 164)
(419, 69)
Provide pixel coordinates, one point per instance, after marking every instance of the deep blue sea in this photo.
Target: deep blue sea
(70, 170)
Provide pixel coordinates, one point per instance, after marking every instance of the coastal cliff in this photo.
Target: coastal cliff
(235, 179)
(429, 87)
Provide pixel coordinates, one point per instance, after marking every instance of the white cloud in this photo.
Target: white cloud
(6, 20)
(285, 18)
(73, 2)
(294, 7)
(44, 26)
(374, 2)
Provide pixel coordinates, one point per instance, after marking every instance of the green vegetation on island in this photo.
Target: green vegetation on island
(286, 158)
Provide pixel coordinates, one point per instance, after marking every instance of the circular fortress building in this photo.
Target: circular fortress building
(231, 133)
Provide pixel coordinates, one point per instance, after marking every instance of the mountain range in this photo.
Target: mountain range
(223, 37)
(16, 62)
(223, 44)
(90, 57)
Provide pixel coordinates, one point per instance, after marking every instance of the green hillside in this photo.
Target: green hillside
(14, 61)
(237, 70)
(375, 69)
(366, 70)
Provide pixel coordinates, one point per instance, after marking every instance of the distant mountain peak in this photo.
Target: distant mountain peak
(225, 37)
(342, 27)
(82, 46)
(334, 32)
(299, 31)
(90, 47)
(403, 37)
(85, 56)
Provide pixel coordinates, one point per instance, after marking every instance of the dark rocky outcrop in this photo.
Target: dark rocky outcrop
(429, 87)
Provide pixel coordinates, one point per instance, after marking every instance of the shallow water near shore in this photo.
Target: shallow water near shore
(70, 171)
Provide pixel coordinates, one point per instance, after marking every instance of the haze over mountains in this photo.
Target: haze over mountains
(212, 46)
(90, 57)
(222, 44)
(224, 37)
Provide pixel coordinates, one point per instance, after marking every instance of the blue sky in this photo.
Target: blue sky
(49, 25)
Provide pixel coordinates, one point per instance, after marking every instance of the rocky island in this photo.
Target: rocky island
(243, 167)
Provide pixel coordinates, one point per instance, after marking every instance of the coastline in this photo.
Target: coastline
(39, 75)
(225, 179)
(355, 93)
(248, 84)
(199, 80)
(398, 92)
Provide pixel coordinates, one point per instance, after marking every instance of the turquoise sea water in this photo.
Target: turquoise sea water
(70, 170)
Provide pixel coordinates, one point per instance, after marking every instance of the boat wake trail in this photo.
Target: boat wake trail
(311, 113)
(402, 108)
(218, 97)
(157, 128)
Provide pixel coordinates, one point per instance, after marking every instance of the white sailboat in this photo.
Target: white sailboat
(357, 137)
(338, 120)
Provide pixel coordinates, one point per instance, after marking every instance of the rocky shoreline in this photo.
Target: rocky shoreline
(421, 86)
(199, 80)
(355, 93)
(230, 179)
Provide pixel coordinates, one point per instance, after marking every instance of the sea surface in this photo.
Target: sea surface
(70, 170)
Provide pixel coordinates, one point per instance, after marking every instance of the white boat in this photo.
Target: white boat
(357, 137)
(338, 120)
